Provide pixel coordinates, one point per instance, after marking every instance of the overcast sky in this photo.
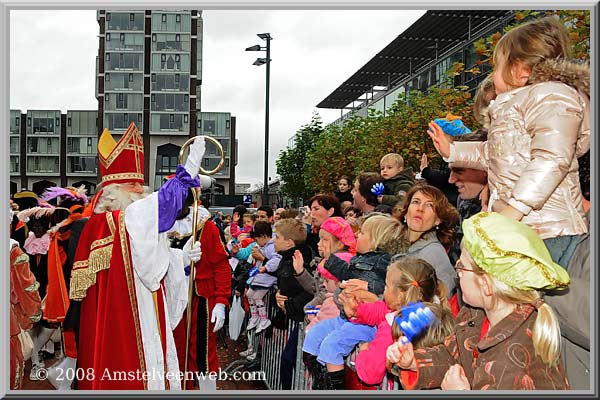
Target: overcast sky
(53, 53)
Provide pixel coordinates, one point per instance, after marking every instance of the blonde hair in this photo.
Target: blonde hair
(291, 229)
(394, 157)
(386, 233)
(486, 92)
(530, 44)
(546, 330)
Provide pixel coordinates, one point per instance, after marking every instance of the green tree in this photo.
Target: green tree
(291, 162)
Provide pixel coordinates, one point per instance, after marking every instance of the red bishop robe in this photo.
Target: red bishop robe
(111, 349)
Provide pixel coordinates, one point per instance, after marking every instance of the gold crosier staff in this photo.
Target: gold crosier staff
(194, 228)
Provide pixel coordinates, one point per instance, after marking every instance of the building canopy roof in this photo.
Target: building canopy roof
(431, 35)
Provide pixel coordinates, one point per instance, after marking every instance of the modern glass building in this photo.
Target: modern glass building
(48, 148)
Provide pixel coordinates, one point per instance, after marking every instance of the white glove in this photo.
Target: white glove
(218, 316)
(191, 253)
(194, 160)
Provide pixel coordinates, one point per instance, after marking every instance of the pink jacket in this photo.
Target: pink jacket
(327, 311)
(235, 230)
(370, 363)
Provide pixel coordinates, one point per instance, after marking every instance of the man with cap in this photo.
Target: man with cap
(130, 283)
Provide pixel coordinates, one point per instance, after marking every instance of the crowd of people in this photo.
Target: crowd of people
(495, 246)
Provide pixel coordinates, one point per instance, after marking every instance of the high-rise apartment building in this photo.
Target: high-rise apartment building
(149, 71)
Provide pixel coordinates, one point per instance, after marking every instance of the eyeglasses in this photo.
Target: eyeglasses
(460, 267)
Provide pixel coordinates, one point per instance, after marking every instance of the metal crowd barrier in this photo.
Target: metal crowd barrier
(269, 351)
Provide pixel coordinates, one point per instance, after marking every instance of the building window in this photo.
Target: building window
(131, 17)
(163, 57)
(177, 57)
(185, 118)
(227, 124)
(107, 77)
(139, 119)
(17, 121)
(227, 163)
(178, 18)
(106, 97)
(122, 37)
(199, 123)
(206, 162)
(176, 78)
(57, 121)
(28, 121)
(153, 98)
(107, 56)
(171, 118)
(108, 37)
(164, 18)
(153, 77)
(69, 121)
(154, 37)
(177, 37)
(186, 98)
(130, 77)
(108, 16)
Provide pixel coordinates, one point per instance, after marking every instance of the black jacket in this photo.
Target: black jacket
(289, 286)
(371, 267)
(396, 187)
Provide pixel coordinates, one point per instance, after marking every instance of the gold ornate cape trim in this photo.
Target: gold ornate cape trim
(84, 272)
(132, 296)
(126, 175)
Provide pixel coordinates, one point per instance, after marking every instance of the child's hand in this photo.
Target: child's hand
(257, 255)
(354, 284)
(440, 141)
(298, 262)
(364, 296)
(350, 304)
(402, 355)
(280, 300)
(379, 199)
(455, 379)
(262, 269)
(424, 162)
(484, 197)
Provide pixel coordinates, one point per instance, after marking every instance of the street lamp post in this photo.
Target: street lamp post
(260, 61)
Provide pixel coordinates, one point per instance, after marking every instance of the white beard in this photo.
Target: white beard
(114, 197)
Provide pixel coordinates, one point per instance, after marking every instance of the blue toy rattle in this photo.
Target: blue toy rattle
(415, 319)
(377, 189)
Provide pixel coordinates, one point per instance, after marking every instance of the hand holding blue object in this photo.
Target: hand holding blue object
(377, 189)
(415, 319)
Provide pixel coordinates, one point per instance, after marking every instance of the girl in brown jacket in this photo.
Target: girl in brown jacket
(506, 337)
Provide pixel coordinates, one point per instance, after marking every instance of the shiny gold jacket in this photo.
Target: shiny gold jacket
(537, 132)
